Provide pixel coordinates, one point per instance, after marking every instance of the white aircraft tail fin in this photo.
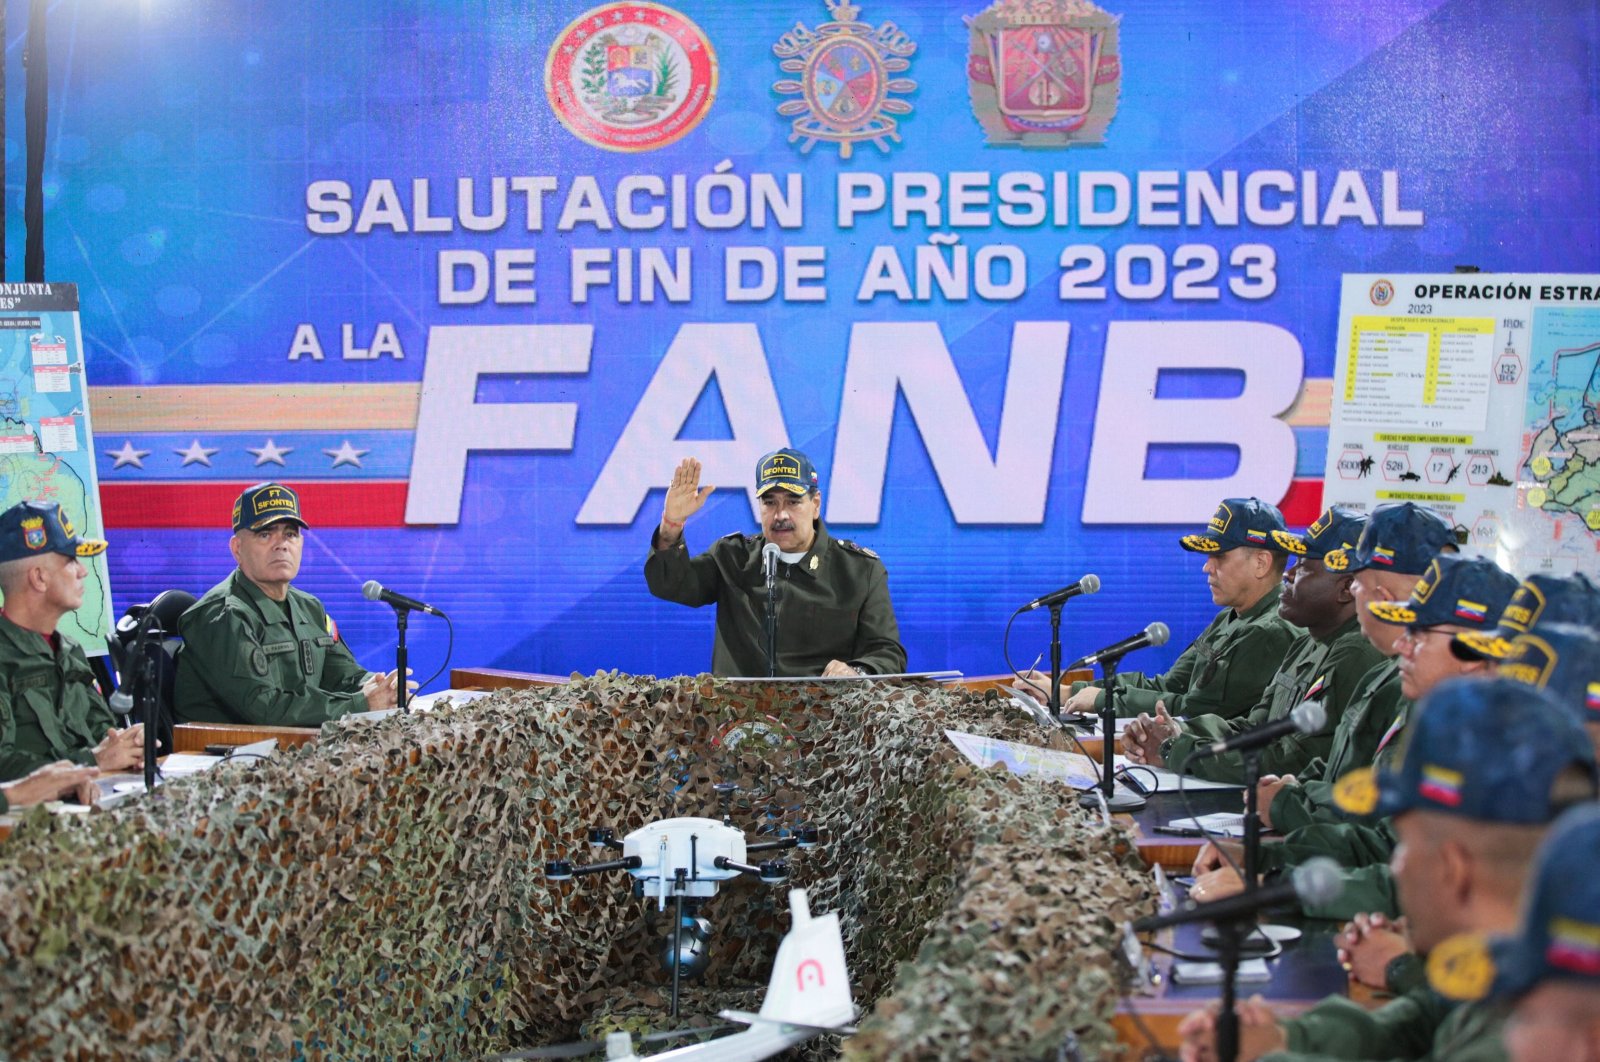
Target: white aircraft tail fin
(810, 983)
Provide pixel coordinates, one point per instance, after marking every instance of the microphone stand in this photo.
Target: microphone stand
(401, 701)
(772, 621)
(1115, 801)
(1054, 706)
(1230, 940)
(146, 697)
(1254, 942)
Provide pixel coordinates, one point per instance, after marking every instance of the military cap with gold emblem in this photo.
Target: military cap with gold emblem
(32, 528)
(788, 470)
(1489, 750)
(1337, 528)
(265, 504)
(1558, 936)
(1398, 538)
(1539, 600)
(1563, 659)
(1467, 592)
(1238, 522)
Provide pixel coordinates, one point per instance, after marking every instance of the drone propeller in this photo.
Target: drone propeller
(581, 1048)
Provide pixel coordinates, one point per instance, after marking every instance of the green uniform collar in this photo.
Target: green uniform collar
(1268, 603)
(815, 557)
(270, 611)
(1349, 626)
(30, 642)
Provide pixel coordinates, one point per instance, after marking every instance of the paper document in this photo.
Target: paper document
(1073, 768)
(424, 703)
(181, 763)
(1225, 823)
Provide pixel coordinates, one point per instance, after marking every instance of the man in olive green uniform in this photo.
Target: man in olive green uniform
(1488, 766)
(1326, 664)
(1226, 669)
(258, 651)
(1455, 594)
(1548, 970)
(50, 709)
(834, 613)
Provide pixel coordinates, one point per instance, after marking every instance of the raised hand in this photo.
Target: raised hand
(684, 498)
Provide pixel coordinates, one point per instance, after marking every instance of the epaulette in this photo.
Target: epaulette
(855, 548)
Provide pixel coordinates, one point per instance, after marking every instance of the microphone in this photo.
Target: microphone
(1087, 585)
(372, 590)
(1314, 882)
(1306, 717)
(1155, 634)
(769, 561)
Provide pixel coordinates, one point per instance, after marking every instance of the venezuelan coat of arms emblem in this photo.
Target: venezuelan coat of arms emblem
(846, 80)
(1044, 73)
(631, 76)
(33, 532)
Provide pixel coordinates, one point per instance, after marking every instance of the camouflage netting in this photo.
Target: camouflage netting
(380, 893)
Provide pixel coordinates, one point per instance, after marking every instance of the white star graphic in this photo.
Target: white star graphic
(346, 454)
(197, 454)
(128, 456)
(270, 453)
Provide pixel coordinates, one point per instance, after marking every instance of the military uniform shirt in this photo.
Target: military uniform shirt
(245, 659)
(1420, 1025)
(1223, 672)
(1328, 668)
(1367, 718)
(834, 604)
(50, 708)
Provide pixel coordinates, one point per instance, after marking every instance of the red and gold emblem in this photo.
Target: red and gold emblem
(1044, 73)
(631, 76)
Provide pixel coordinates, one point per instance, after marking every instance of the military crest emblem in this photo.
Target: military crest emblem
(846, 81)
(33, 533)
(631, 76)
(1044, 73)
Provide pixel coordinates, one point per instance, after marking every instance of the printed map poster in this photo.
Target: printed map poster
(1474, 394)
(46, 442)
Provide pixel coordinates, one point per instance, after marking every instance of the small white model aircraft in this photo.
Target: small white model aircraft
(808, 995)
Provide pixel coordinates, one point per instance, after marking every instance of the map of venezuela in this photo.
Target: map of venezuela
(46, 445)
(1561, 473)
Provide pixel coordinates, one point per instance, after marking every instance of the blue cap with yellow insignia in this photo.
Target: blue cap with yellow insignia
(1239, 522)
(1558, 936)
(1539, 600)
(1562, 658)
(1454, 590)
(788, 470)
(265, 504)
(30, 528)
(1337, 528)
(1398, 538)
(1489, 750)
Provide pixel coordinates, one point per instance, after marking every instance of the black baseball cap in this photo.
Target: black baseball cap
(265, 504)
(1398, 538)
(1337, 528)
(788, 470)
(1454, 589)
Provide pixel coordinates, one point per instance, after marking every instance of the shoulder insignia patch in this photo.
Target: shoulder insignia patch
(333, 628)
(854, 547)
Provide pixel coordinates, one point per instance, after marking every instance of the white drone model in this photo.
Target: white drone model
(684, 861)
(808, 995)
